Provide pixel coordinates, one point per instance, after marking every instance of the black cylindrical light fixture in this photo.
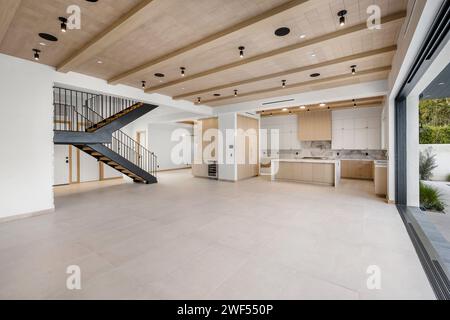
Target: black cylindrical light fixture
(183, 71)
(63, 24)
(36, 54)
(341, 14)
(241, 51)
(283, 83)
(144, 84)
(235, 93)
(353, 69)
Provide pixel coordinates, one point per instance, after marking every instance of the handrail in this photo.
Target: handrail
(72, 113)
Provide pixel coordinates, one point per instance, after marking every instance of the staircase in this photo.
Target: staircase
(92, 123)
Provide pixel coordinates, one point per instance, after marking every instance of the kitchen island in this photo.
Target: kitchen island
(314, 171)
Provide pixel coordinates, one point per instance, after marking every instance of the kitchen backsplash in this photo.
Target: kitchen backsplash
(323, 149)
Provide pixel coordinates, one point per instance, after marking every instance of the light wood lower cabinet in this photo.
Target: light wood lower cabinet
(356, 169)
(320, 173)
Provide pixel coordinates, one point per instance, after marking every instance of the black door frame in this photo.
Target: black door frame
(436, 39)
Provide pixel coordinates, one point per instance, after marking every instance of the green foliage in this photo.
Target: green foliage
(448, 178)
(427, 163)
(434, 117)
(435, 135)
(431, 198)
(435, 112)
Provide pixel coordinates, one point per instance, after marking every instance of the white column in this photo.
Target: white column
(412, 138)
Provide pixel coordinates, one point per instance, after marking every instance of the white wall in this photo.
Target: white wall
(287, 127)
(442, 152)
(160, 142)
(26, 128)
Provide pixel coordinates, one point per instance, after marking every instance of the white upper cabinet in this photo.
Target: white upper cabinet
(357, 129)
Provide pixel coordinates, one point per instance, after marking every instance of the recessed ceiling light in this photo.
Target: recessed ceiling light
(322, 104)
(285, 109)
(283, 31)
(441, 83)
(99, 61)
(303, 107)
(42, 44)
(48, 37)
(303, 36)
(313, 55)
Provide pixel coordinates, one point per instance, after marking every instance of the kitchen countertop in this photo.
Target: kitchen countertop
(326, 161)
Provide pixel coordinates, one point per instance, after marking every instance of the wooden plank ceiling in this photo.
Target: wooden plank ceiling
(128, 42)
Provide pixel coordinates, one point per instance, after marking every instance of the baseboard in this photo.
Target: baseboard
(26, 215)
(176, 169)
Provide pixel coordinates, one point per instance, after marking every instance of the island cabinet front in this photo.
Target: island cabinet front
(317, 173)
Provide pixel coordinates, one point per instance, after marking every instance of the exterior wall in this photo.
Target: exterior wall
(442, 152)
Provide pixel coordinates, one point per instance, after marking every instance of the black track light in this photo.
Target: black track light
(341, 14)
(63, 24)
(241, 51)
(144, 84)
(235, 93)
(199, 100)
(353, 69)
(283, 83)
(36, 54)
(183, 71)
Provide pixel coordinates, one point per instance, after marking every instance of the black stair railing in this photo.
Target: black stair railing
(75, 111)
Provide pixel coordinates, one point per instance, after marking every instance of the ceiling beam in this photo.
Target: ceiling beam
(312, 67)
(303, 84)
(238, 27)
(8, 9)
(303, 44)
(118, 30)
(374, 103)
(329, 104)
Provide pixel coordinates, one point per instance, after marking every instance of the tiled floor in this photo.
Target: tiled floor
(191, 238)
